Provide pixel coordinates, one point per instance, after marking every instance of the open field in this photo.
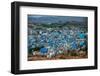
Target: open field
(60, 56)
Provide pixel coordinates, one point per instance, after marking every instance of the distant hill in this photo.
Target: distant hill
(55, 19)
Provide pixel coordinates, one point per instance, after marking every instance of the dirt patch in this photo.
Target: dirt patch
(38, 57)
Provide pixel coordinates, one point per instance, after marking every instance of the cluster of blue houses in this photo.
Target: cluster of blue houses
(55, 39)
